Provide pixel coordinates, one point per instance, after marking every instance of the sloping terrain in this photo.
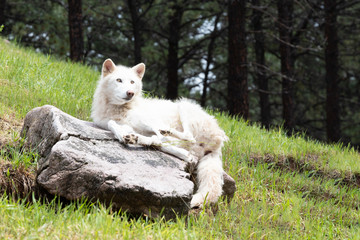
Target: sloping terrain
(288, 187)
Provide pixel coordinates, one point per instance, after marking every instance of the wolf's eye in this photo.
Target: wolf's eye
(132, 82)
(119, 80)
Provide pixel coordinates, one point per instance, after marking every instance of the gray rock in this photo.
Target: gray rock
(79, 160)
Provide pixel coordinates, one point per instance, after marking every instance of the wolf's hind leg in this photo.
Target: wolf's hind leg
(179, 152)
(186, 135)
(184, 119)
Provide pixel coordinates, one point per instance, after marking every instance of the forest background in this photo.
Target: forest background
(284, 62)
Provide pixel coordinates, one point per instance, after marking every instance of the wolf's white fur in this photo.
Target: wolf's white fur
(181, 128)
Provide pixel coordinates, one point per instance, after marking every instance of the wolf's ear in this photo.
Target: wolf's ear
(139, 70)
(108, 67)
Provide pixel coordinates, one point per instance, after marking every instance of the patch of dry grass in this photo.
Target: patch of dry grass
(10, 124)
(17, 182)
(310, 163)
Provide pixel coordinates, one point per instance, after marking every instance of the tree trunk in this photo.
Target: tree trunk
(210, 50)
(332, 77)
(76, 30)
(261, 79)
(285, 11)
(173, 49)
(135, 21)
(2, 12)
(238, 104)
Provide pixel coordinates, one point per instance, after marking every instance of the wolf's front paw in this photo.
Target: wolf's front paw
(130, 139)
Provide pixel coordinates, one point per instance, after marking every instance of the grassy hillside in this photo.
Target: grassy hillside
(288, 188)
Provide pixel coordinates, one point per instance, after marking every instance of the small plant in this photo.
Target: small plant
(17, 155)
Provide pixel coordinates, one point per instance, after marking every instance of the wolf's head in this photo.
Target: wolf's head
(121, 84)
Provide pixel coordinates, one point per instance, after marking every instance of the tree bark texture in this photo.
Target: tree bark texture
(173, 50)
(261, 78)
(135, 22)
(76, 30)
(285, 24)
(332, 76)
(2, 12)
(238, 103)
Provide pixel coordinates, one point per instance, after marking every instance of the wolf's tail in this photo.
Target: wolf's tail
(209, 179)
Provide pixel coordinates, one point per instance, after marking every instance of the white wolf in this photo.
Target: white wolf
(181, 128)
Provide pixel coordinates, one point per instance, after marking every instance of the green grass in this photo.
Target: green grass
(30, 80)
(288, 187)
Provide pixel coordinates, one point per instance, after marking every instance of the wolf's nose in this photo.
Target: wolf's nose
(130, 93)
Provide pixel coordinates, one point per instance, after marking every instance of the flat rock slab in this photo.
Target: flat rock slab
(80, 160)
